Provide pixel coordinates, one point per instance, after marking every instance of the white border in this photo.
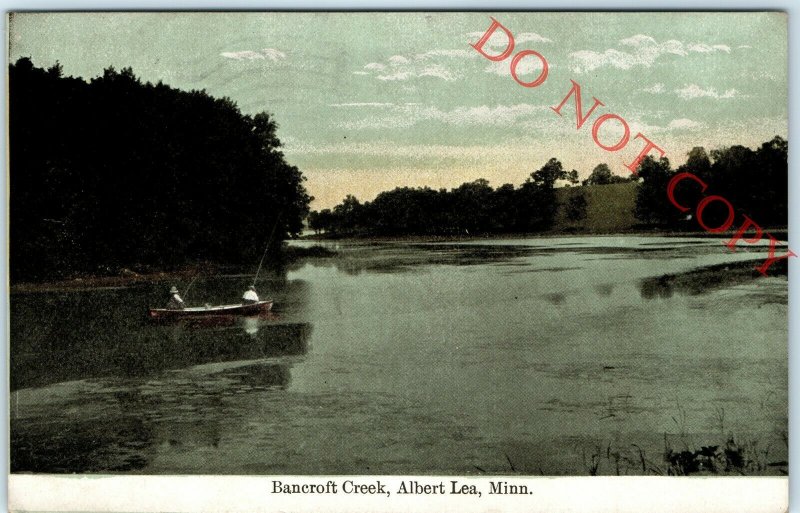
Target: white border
(251, 494)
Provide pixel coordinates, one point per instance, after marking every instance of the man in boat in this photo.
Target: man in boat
(175, 302)
(250, 297)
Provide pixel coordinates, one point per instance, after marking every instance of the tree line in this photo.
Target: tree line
(114, 172)
(756, 181)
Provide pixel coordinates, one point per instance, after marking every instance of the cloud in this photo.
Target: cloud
(655, 89)
(400, 75)
(396, 60)
(266, 54)
(410, 114)
(508, 150)
(530, 65)
(440, 63)
(499, 40)
(531, 37)
(362, 104)
(430, 71)
(445, 53)
(484, 115)
(639, 50)
(693, 91)
(401, 67)
(704, 48)
(438, 72)
(684, 124)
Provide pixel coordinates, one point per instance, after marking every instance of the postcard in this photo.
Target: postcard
(396, 261)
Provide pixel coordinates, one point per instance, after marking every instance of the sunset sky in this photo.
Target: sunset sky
(370, 101)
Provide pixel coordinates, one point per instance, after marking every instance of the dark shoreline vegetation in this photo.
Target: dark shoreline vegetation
(693, 282)
(145, 274)
(755, 181)
(113, 172)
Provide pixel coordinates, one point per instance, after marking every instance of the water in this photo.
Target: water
(554, 356)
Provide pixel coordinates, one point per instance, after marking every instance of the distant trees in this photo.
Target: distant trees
(537, 197)
(602, 175)
(115, 172)
(652, 205)
(575, 209)
(473, 207)
(754, 181)
(572, 177)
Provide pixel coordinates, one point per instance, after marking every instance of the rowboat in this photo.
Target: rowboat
(261, 307)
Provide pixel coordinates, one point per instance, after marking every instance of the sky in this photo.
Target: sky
(366, 102)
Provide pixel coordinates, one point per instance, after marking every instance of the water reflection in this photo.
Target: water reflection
(65, 336)
(604, 289)
(658, 287)
(706, 279)
(121, 423)
(391, 257)
(156, 348)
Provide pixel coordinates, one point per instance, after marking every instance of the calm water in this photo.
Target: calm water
(534, 356)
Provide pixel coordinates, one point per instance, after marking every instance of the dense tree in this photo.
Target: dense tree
(602, 175)
(698, 162)
(755, 181)
(572, 177)
(652, 205)
(473, 203)
(770, 189)
(537, 197)
(115, 172)
(349, 214)
(473, 207)
(575, 209)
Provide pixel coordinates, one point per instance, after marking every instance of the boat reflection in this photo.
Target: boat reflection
(151, 349)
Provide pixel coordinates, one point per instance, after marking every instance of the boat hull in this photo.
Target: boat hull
(261, 307)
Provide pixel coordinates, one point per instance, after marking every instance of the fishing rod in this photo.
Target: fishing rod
(269, 241)
(186, 292)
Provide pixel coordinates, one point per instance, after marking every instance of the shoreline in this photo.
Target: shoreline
(100, 281)
(126, 277)
(781, 233)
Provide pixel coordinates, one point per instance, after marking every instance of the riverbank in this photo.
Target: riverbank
(125, 278)
(128, 276)
(780, 233)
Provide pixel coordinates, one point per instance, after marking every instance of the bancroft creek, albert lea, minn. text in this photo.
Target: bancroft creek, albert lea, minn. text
(405, 487)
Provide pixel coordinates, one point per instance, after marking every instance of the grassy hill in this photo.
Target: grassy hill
(609, 208)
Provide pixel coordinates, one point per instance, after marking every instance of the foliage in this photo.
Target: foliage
(652, 204)
(115, 172)
(602, 175)
(575, 209)
(755, 182)
(472, 208)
